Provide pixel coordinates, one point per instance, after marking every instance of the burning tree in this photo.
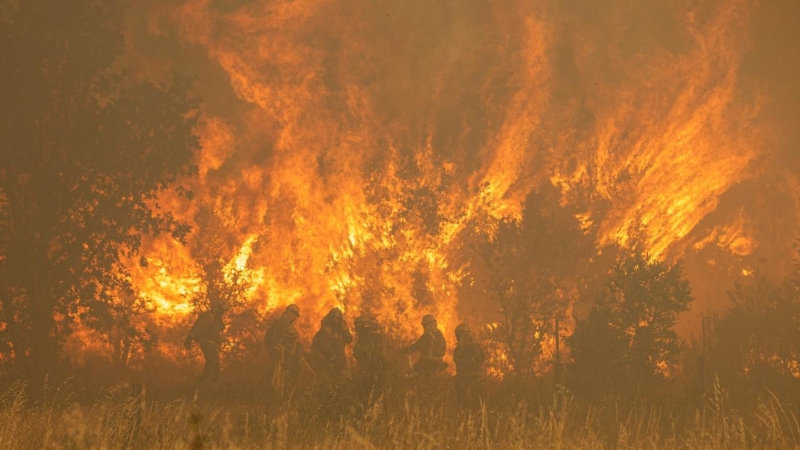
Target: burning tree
(627, 344)
(83, 162)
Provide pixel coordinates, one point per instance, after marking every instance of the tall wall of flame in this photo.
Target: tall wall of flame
(347, 143)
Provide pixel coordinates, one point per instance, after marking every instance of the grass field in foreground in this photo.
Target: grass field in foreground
(407, 416)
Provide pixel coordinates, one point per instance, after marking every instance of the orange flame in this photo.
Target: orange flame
(357, 140)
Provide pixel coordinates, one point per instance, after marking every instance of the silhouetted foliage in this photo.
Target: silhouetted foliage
(228, 286)
(757, 343)
(533, 265)
(627, 344)
(82, 161)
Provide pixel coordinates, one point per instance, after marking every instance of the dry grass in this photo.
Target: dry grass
(407, 416)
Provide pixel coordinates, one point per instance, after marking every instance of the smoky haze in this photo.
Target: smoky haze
(529, 213)
(677, 116)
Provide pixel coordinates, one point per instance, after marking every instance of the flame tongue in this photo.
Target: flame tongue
(670, 139)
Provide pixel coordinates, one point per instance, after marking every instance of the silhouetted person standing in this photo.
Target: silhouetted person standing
(327, 348)
(370, 353)
(468, 357)
(207, 332)
(431, 347)
(285, 351)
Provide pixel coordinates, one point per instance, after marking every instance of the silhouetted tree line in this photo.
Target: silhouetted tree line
(83, 158)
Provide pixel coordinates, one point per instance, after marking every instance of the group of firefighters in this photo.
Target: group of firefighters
(326, 359)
